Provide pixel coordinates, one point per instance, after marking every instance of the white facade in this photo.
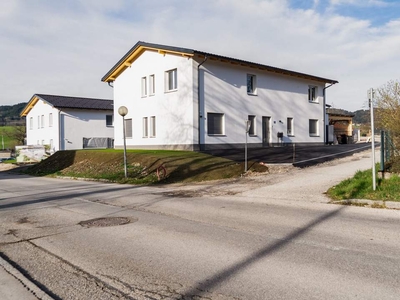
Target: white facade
(292, 105)
(65, 129)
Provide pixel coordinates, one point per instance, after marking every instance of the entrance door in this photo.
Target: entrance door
(266, 131)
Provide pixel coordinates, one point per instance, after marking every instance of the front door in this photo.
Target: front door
(266, 131)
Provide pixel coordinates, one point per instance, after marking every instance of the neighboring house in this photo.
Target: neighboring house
(342, 122)
(181, 98)
(67, 123)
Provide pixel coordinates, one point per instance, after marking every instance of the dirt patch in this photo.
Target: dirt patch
(6, 167)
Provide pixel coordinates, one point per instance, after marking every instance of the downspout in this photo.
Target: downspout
(200, 115)
(324, 105)
(59, 130)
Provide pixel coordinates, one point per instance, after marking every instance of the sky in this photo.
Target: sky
(66, 47)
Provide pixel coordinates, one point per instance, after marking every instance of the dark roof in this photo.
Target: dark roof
(77, 102)
(339, 112)
(139, 46)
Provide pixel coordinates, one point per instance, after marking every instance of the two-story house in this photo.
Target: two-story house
(69, 123)
(180, 98)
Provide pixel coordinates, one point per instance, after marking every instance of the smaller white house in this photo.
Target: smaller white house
(69, 123)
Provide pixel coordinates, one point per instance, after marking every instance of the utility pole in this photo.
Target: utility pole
(371, 107)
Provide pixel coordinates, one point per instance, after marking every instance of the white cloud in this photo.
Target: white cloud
(65, 47)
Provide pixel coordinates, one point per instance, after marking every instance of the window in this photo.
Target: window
(50, 120)
(109, 120)
(145, 128)
(252, 129)
(152, 85)
(51, 144)
(31, 123)
(313, 127)
(42, 142)
(215, 123)
(42, 121)
(290, 131)
(38, 124)
(171, 80)
(128, 128)
(153, 126)
(144, 86)
(251, 84)
(312, 94)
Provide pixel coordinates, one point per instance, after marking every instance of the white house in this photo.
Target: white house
(180, 98)
(68, 123)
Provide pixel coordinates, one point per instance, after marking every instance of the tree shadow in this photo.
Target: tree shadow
(224, 275)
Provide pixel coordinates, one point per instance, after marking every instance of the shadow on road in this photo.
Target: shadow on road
(224, 275)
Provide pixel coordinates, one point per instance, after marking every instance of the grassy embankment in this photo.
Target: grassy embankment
(8, 142)
(180, 166)
(360, 187)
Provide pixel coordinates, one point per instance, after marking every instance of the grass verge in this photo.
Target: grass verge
(173, 166)
(360, 187)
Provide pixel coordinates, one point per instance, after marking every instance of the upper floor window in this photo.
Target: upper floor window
(252, 129)
(251, 84)
(109, 120)
(152, 85)
(144, 86)
(42, 121)
(50, 120)
(38, 123)
(31, 123)
(290, 128)
(171, 80)
(312, 94)
(215, 124)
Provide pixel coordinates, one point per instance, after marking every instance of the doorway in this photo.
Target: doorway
(266, 131)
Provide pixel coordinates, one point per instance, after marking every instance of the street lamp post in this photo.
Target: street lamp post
(248, 124)
(371, 107)
(123, 111)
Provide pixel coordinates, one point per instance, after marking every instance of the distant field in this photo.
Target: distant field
(8, 143)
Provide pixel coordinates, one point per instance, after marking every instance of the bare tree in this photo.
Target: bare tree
(388, 114)
(17, 133)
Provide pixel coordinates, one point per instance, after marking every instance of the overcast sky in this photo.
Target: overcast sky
(65, 47)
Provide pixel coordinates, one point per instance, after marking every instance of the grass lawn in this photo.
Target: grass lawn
(8, 142)
(172, 166)
(360, 187)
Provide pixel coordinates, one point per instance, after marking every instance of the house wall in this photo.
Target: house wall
(79, 124)
(173, 110)
(278, 97)
(42, 134)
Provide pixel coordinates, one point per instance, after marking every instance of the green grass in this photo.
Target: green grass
(8, 142)
(180, 166)
(360, 187)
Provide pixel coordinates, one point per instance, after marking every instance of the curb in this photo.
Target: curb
(369, 203)
(29, 285)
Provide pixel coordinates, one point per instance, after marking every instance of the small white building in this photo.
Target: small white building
(69, 123)
(180, 98)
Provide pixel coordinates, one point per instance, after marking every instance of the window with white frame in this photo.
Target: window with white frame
(290, 128)
(51, 144)
(171, 80)
(152, 126)
(42, 125)
(252, 129)
(145, 127)
(38, 124)
(31, 123)
(215, 124)
(50, 120)
(313, 127)
(152, 85)
(312, 94)
(251, 84)
(128, 128)
(109, 120)
(144, 86)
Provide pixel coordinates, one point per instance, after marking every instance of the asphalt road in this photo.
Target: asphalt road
(266, 237)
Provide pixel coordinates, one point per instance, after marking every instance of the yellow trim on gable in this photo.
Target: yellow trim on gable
(135, 54)
(29, 106)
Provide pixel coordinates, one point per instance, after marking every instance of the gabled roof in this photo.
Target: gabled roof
(68, 102)
(127, 60)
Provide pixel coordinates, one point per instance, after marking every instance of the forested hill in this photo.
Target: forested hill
(9, 114)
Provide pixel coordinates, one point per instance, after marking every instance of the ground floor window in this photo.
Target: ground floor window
(290, 129)
(128, 128)
(313, 127)
(252, 129)
(215, 123)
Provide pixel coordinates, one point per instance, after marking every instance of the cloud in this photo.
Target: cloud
(65, 47)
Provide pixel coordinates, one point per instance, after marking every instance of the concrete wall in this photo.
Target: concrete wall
(173, 110)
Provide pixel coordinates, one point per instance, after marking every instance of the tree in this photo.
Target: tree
(17, 133)
(388, 112)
